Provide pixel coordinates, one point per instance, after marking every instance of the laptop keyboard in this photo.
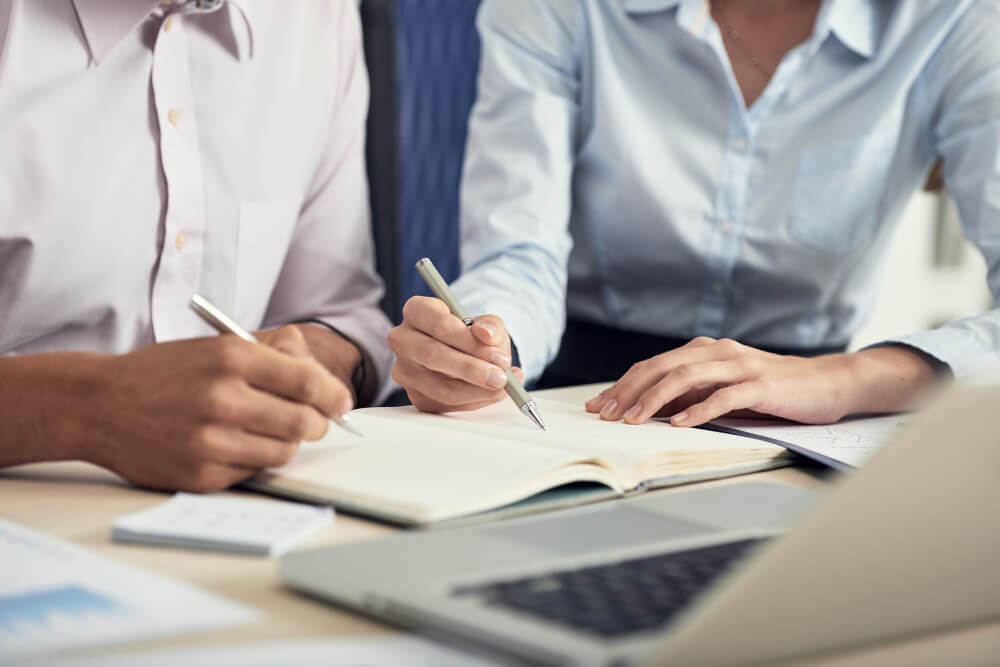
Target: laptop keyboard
(616, 599)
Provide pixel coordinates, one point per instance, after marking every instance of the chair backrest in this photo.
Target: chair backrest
(423, 60)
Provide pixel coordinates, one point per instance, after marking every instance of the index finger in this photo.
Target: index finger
(304, 381)
(646, 373)
(431, 317)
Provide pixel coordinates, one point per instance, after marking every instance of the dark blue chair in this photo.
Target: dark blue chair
(423, 59)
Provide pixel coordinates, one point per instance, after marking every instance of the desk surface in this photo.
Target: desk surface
(78, 502)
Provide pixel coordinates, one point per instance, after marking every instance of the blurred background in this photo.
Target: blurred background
(932, 274)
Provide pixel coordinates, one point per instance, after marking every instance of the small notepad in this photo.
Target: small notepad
(223, 523)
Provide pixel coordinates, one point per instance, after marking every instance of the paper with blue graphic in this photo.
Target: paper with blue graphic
(55, 596)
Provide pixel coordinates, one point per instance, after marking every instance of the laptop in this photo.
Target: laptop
(709, 575)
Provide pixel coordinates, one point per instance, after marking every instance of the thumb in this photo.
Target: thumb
(489, 330)
(344, 401)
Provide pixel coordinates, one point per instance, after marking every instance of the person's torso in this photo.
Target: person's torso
(695, 216)
(177, 163)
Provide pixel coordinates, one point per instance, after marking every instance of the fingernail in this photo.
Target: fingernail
(495, 379)
(634, 411)
(596, 402)
(487, 327)
(680, 417)
(609, 409)
(500, 359)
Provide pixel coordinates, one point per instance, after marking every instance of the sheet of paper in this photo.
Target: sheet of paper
(224, 523)
(391, 651)
(56, 596)
(844, 445)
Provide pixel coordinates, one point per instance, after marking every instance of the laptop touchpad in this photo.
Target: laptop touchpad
(596, 531)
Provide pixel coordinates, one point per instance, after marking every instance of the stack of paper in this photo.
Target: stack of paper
(223, 523)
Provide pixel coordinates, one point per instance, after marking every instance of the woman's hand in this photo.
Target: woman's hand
(708, 378)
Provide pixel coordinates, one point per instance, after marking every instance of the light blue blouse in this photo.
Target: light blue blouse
(613, 171)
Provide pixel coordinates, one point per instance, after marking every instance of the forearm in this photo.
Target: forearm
(45, 412)
(892, 378)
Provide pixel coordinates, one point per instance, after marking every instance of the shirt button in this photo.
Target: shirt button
(727, 227)
(739, 145)
(180, 240)
(174, 116)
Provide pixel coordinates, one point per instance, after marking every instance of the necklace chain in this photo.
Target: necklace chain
(737, 39)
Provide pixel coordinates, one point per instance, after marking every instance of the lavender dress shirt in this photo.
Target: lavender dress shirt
(149, 154)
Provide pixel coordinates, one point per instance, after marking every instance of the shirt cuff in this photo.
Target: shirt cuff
(532, 357)
(373, 339)
(515, 356)
(962, 352)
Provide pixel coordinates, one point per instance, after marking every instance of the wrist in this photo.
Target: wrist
(342, 356)
(890, 378)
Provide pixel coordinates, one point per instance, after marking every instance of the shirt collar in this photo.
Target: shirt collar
(854, 22)
(105, 23)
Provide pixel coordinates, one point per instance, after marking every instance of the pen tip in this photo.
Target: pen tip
(347, 425)
(532, 412)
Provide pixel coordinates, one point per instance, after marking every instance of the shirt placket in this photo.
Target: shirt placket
(733, 194)
(727, 235)
(179, 270)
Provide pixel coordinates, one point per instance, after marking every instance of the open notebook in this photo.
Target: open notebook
(417, 468)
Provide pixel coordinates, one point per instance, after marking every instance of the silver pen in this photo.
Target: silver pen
(524, 402)
(225, 324)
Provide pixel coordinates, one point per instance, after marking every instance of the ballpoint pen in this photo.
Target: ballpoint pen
(524, 402)
(225, 324)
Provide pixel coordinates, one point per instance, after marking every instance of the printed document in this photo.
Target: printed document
(56, 596)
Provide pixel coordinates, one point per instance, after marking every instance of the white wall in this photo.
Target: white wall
(918, 293)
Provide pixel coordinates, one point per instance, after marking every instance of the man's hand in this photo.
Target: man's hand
(335, 353)
(195, 415)
(708, 378)
(445, 365)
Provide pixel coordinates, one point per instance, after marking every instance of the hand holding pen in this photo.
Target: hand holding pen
(224, 324)
(198, 414)
(447, 361)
